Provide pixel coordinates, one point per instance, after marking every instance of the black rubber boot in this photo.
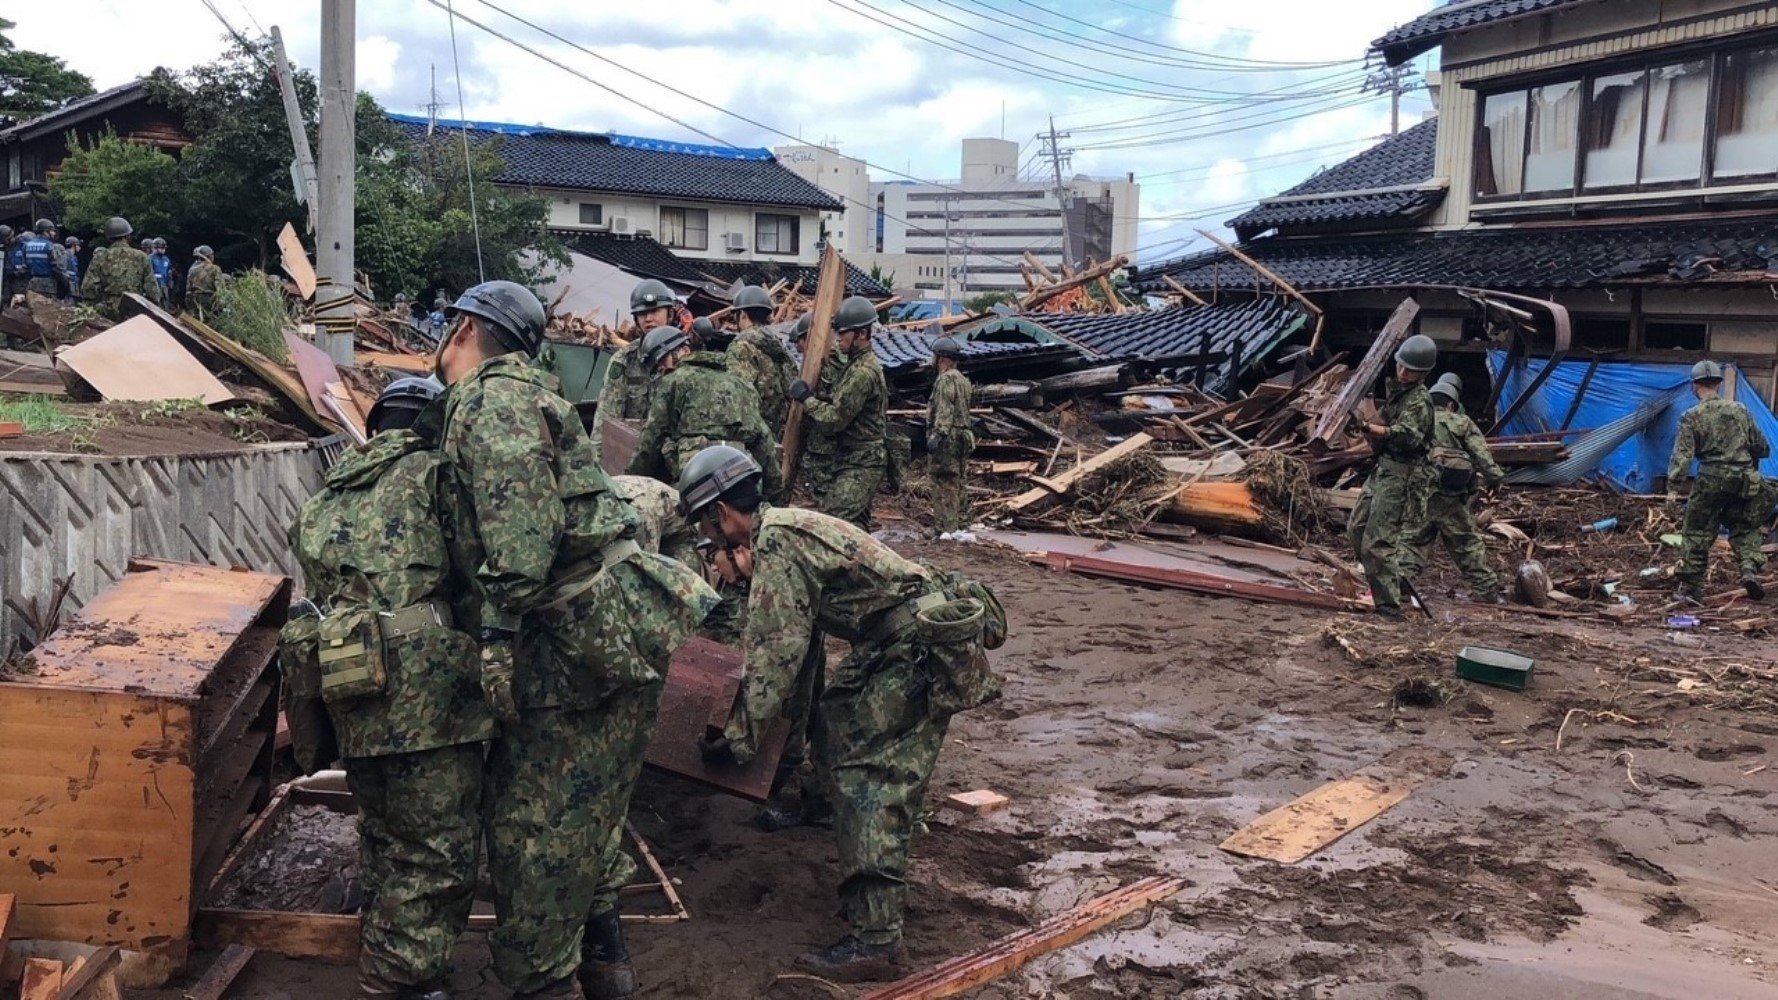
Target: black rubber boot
(786, 815)
(853, 961)
(561, 989)
(605, 969)
(1755, 589)
(1689, 593)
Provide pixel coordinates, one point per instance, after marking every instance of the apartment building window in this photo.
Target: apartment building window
(775, 233)
(592, 214)
(685, 228)
(1657, 125)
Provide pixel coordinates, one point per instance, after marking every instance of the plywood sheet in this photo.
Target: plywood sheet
(618, 444)
(295, 258)
(137, 360)
(313, 366)
(701, 686)
(1297, 830)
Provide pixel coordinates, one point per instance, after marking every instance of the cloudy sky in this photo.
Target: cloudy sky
(1210, 103)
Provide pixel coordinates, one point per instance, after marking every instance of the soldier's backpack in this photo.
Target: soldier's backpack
(1456, 473)
(957, 630)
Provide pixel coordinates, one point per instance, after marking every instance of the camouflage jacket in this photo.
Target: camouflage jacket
(664, 528)
(121, 269)
(696, 405)
(810, 571)
(759, 359)
(200, 284)
(1721, 435)
(528, 507)
(1458, 443)
(372, 538)
(1408, 414)
(947, 412)
(849, 422)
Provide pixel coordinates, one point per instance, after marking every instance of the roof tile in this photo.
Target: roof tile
(1400, 160)
(1426, 31)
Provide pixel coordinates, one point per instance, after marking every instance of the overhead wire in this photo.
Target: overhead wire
(475, 221)
(1259, 64)
(1171, 138)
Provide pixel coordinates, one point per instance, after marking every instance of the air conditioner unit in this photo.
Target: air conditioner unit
(734, 242)
(619, 224)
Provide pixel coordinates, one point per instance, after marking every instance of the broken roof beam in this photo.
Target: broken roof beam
(1333, 419)
(1087, 276)
(1263, 271)
(1186, 293)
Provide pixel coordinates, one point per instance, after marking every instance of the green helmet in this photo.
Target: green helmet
(947, 347)
(514, 315)
(1707, 371)
(45, 226)
(1417, 354)
(118, 228)
(204, 251)
(711, 474)
(753, 297)
(661, 342)
(803, 323)
(400, 398)
(703, 331)
(159, 243)
(649, 296)
(5, 232)
(1448, 387)
(856, 313)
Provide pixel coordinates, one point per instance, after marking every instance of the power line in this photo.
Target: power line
(1334, 85)
(1262, 65)
(475, 221)
(1192, 135)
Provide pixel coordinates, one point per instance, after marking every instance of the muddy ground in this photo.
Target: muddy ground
(1142, 727)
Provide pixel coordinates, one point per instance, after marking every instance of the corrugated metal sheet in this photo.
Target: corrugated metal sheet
(89, 515)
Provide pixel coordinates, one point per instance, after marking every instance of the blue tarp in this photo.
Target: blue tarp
(1618, 388)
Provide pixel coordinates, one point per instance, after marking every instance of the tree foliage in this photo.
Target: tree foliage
(33, 83)
(114, 176)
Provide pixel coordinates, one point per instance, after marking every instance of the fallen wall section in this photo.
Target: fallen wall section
(88, 515)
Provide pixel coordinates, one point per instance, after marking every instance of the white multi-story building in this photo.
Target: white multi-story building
(852, 228)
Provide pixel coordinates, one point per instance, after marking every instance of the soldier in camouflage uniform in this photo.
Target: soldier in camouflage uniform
(1393, 506)
(628, 383)
(949, 440)
(401, 691)
(1730, 492)
(882, 722)
(697, 403)
(846, 457)
(120, 269)
(576, 624)
(200, 284)
(1459, 456)
(759, 358)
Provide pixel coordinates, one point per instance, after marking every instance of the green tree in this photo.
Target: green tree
(116, 177)
(33, 83)
(880, 276)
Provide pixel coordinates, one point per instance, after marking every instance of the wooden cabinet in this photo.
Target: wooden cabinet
(134, 743)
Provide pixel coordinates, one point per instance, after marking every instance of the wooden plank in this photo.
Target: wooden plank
(313, 367)
(980, 802)
(618, 439)
(222, 973)
(9, 968)
(11, 429)
(88, 972)
(1073, 281)
(1298, 829)
(1192, 580)
(328, 937)
(1332, 421)
(413, 364)
(138, 361)
(701, 686)
(829, 289)
(1066, 480)
(967, 972)
(1263, 271)
(295, 258)
(42, 980)
(33, 388)
(1182, 290)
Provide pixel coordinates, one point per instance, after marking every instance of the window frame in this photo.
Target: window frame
(684, 228)
(598, 208)
(796, 233)
(1715, 56)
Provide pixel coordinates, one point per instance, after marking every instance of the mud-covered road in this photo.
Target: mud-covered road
(1142, 727)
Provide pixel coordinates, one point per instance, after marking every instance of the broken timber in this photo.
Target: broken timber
(829, 287)
(221, 974)
(1066, 481)
(1192, 580)
(1332, 421)
(43, 979)
(1014, 951)
(1298, 829)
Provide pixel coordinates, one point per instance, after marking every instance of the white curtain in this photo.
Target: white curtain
(1747, 125)
(1503, 118)
(1673, 136)
(1615, 133)
(1555, 135)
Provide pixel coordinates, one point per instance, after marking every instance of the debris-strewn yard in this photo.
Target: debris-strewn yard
(1141, 727)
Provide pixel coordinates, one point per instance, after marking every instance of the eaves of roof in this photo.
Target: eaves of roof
(77, 111)
(1429, 30)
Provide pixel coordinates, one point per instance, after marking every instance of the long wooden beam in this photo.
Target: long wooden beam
(1087, 276)
(1263, 271)
(829, 288)
(1332, 420)
(1190, 295)
(966, 972)
(1065, 481)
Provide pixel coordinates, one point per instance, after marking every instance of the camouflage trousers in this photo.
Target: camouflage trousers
(1388, 516)
(558, 785)
(1449, 519)
(729, 620)
(418, 821)
(845, 491)
(948, 469)
(633, 720)
(876, 746)
(1721, 500)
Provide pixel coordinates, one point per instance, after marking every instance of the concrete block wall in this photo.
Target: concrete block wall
(88, 515)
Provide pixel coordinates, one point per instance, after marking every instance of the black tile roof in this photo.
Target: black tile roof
(906, 349)
(803, 277)
(1574, 256)
(1351, 188)
(1428, 30)
(600, 161)
(1245, 332)
(77, 111)
(639, 255)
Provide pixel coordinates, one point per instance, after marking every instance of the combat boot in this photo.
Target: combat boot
(605, 969)
(372, 987)
(1750, 583)
(561, 989)
(854, 961)
(805, 811)
(1689, 593)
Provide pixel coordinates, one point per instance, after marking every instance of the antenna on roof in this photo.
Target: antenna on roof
(432, 105)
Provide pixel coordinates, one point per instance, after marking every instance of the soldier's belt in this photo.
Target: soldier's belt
(902, 615)
(412, 619)
(609, 556)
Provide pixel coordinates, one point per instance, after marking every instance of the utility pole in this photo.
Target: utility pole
(335, 244)
(947, 253)
(1053, 149)
(1395, 82)
(432, 104)
(302, 171)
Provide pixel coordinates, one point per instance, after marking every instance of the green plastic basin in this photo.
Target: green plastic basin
(1494, 666)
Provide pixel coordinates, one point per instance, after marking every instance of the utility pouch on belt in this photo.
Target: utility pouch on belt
(351, 655)
(312, 737)
(960, 676)
(1754, 485)
(1456, 473)
(994, 628)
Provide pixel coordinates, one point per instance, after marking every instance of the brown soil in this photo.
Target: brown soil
(1141, 727)
(142, 429)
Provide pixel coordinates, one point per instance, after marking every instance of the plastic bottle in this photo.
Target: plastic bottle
(1598, 526)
